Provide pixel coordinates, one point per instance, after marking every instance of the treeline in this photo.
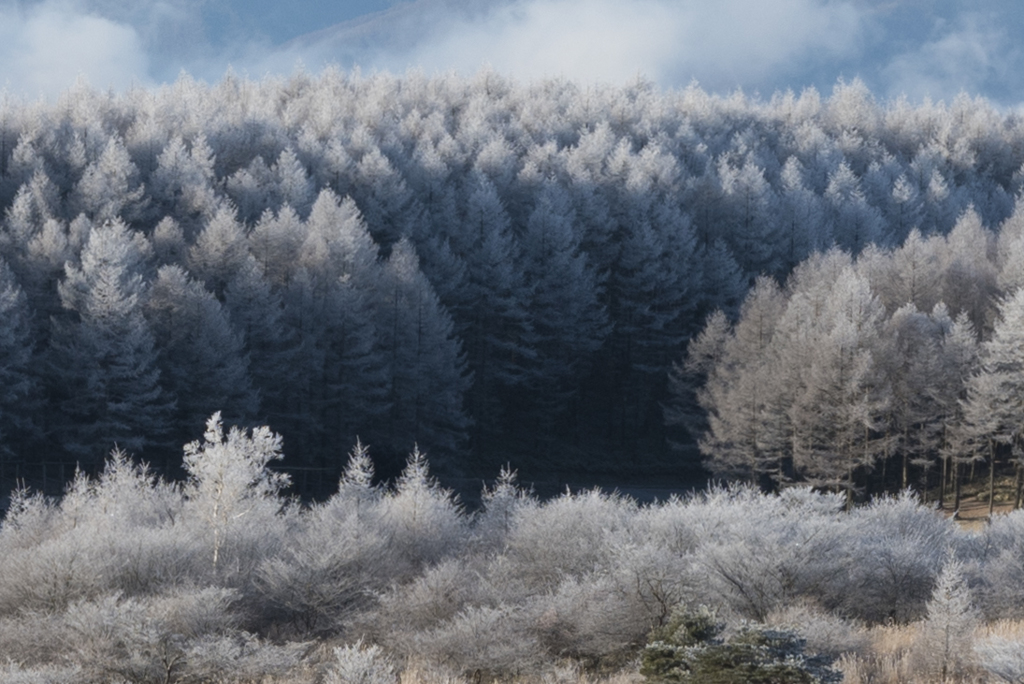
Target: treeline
(222, 577)
(491, 270)
(906, 362)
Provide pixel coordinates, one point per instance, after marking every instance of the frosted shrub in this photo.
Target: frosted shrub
(493, 641)
(326, 573)
(651, 577)
(1000, 578)
(50, 575)
(239, 658)
(33, 639)
(144, 640)
(421, 521)
(1002, 657)
(429, 600)
(766, 551)
(590, 617)
(361, 664)
(565, 536)
(824, 633)
(892, 550)
(130, 516)
(12, 673)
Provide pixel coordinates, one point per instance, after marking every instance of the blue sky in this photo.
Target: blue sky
(917, 48)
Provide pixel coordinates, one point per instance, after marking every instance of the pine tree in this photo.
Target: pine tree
(840, 399)
(109, 187)
(569, 321)
(498, 332)
(909, 361)
(202, 362)
(800, 216)
(18, 385)
(220, 252)
(994, 410)
(854, 223)
(747, 436)
(427, 375)
(750, 224)
(959, 359)
(103, 354)
(182, 184)
(943, 649)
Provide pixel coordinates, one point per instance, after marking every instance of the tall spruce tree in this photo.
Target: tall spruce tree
(103, 358)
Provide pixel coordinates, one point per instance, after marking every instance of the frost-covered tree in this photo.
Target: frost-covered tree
(20, 386)
(994, 409)
(109, 187)
(427, 376)
(943, 649)
(182, 185)
(568, 319)
(202, 360)
(748, 435)
(103, 357)
(838, 407)
(232, 494)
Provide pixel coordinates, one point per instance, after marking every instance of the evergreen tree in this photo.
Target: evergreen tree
(182, 184)
(109, 187)
(497, 336)
(203, 366)
(18, 385)
(943, 649)
(569, 321)
(747, 436)
(854, 223)
(427, 375)
(840, 399)
(103, 357)
(959, 358)
(994, 410)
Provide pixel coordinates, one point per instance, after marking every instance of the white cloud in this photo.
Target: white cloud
(722, 43)
(44, 48)
(971, 53)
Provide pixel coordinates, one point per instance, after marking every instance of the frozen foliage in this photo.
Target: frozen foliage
(231, 494)
(944, 644)
(495, 270)
(1002, 657)
(361, 664)
(223, 578)
(688, 649)
(895, 367)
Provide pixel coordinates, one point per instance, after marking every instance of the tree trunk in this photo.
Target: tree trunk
(942, 482)
(1018, 480)
(991, 477)
(956, 488)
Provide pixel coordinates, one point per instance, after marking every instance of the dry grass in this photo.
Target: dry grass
(566, 673)
(1006, 629)
(888, 659)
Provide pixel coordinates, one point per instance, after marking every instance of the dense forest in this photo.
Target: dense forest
(821, 297)
(491, 270)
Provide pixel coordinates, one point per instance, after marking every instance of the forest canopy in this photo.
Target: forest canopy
(493, 270)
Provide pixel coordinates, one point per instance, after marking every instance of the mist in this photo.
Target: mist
(918, 48)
